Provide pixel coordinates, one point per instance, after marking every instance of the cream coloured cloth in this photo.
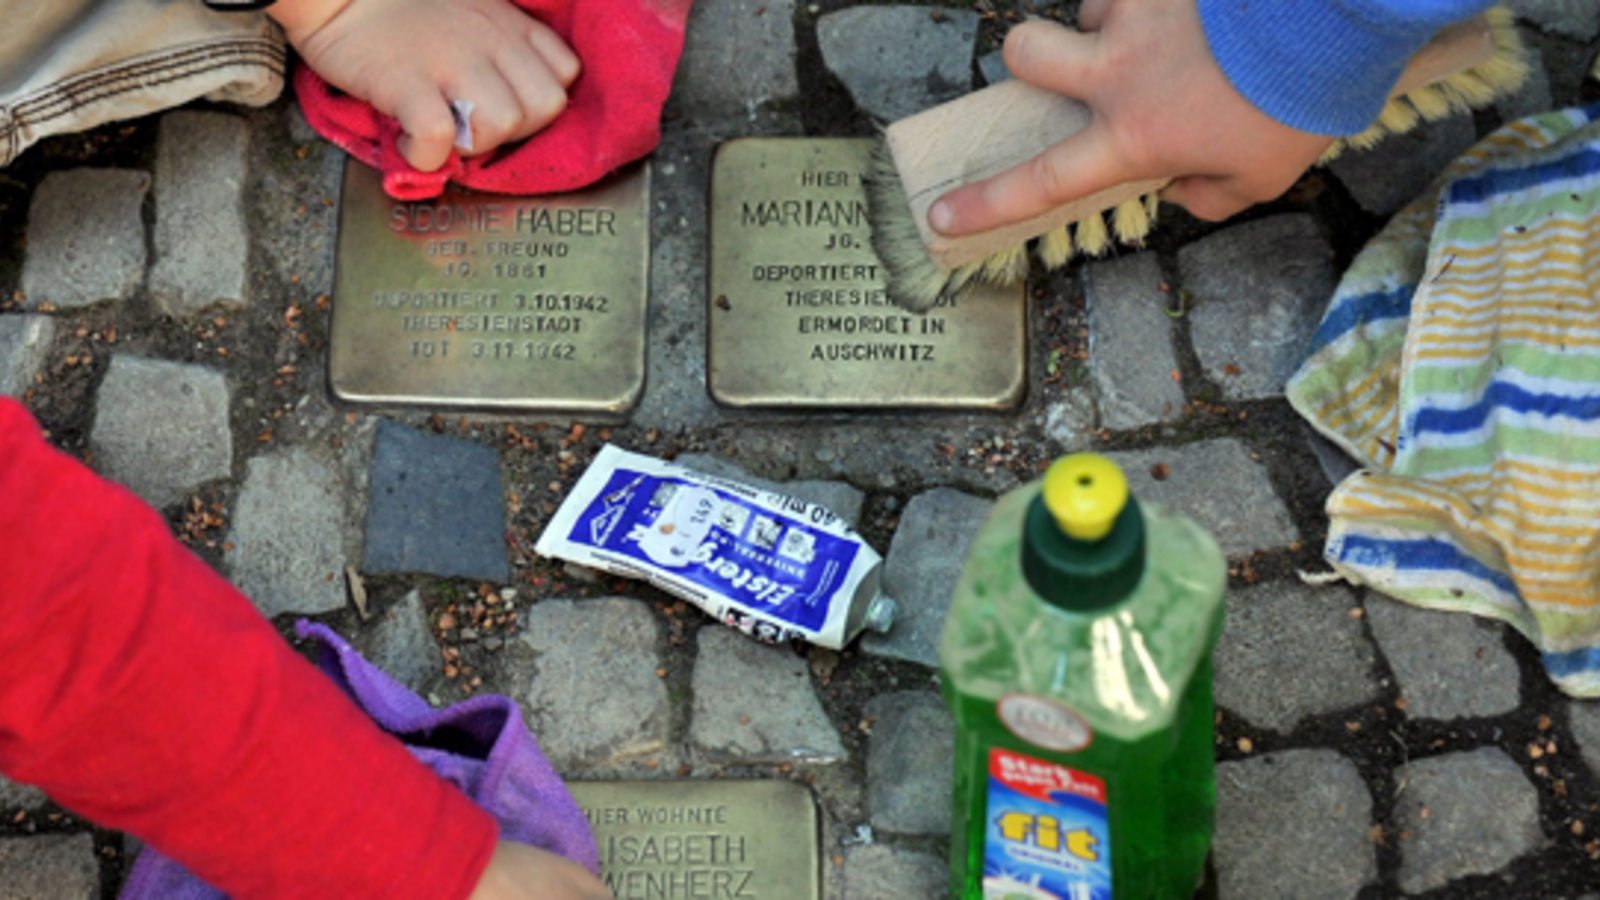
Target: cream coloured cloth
(69, 65)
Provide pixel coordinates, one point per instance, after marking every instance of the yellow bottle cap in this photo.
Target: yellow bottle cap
(1085, 492)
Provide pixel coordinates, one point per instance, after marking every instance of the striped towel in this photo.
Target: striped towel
(1459, 363)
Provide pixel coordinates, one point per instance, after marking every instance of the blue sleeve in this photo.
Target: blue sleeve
(1323, 66)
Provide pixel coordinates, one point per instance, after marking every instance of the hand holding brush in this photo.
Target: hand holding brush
(1162, 109)
(1103, 118)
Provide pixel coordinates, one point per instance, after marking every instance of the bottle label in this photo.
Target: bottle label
(1047, 836)
(1044, 723)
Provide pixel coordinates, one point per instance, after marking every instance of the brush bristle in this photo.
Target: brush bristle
(1475, 90)
(1396, 118)
(1092, 237)
(956, 279)
(913, 280)
(1430, 102)
(1055, 248)
(1005, 267)
(1505, 72)
(1477, 87)
(1130, 221)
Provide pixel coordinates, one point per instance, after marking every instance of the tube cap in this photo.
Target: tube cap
(880, 614)
(1083, 538)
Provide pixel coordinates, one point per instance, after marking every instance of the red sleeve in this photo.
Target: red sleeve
(142, 691)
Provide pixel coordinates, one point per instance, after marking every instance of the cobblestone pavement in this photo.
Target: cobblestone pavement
(168, 318)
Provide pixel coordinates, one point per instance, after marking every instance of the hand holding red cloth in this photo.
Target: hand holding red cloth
(629, 50)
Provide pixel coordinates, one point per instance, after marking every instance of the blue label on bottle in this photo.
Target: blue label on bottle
(1047, 836)
(769, 562)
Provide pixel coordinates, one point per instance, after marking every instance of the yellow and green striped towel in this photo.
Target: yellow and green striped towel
(1459, 363)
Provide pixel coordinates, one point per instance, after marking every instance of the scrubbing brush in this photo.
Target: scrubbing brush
(923, 157)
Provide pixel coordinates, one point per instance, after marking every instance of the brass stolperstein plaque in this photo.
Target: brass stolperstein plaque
(490, 301)
(704, 840)
(798, 314)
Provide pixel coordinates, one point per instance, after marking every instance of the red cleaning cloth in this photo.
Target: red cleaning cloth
(629, 50)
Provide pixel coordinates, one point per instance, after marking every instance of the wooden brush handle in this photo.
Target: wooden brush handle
(983, 134)
(1454, 49)
(989, 131)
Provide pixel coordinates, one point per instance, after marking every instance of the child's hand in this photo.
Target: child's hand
(410, 58)
(520, 872)
(1162, 109)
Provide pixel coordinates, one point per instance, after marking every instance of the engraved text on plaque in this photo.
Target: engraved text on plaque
(704, 840)
(481, 300)
(799, 316)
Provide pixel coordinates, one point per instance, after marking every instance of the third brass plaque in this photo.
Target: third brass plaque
(799, 316)
(728, 840)
(482, 300)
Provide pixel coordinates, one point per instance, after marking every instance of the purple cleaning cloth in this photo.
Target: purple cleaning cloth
(481, 746)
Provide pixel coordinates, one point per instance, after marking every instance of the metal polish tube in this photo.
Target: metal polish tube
(771, 565)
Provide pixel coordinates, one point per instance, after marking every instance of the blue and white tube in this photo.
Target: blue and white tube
(773, 566)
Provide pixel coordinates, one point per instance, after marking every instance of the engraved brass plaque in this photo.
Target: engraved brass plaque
(490, 301)
(705, 840)
(798, 314)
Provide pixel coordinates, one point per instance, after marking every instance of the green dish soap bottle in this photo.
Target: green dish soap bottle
(1076, 658)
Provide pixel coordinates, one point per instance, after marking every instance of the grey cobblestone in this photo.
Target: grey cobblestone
(1572, 18)
(1583, 717)
(436, 506)
(58, 867)
(288, 543)
(1534, 95)
(202, 250)
(878, 872)
(85, 238)
(1217, 484)
(921, 569)
(1258, 291)
(161, 428)
(585, 721)
(837, 496)
(908, 763)
(402, 645)
(754, 703)
(992, 66)
(1467, 814)
(24, 342)
(1397, 170)
(15, 795)
(1450, 665)
(293, 215)
(885, 457)
(1336, 464)
(1289, 652)
(899, 60)
(679, 238)
(736, 58)
(1131, 359)
(300, 130)
(1293, 824)
(1068, 421)
(1568, 64)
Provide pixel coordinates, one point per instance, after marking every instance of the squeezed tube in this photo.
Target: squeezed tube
(770, 565)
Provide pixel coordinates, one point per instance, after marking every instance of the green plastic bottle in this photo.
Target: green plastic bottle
(1077, 660)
